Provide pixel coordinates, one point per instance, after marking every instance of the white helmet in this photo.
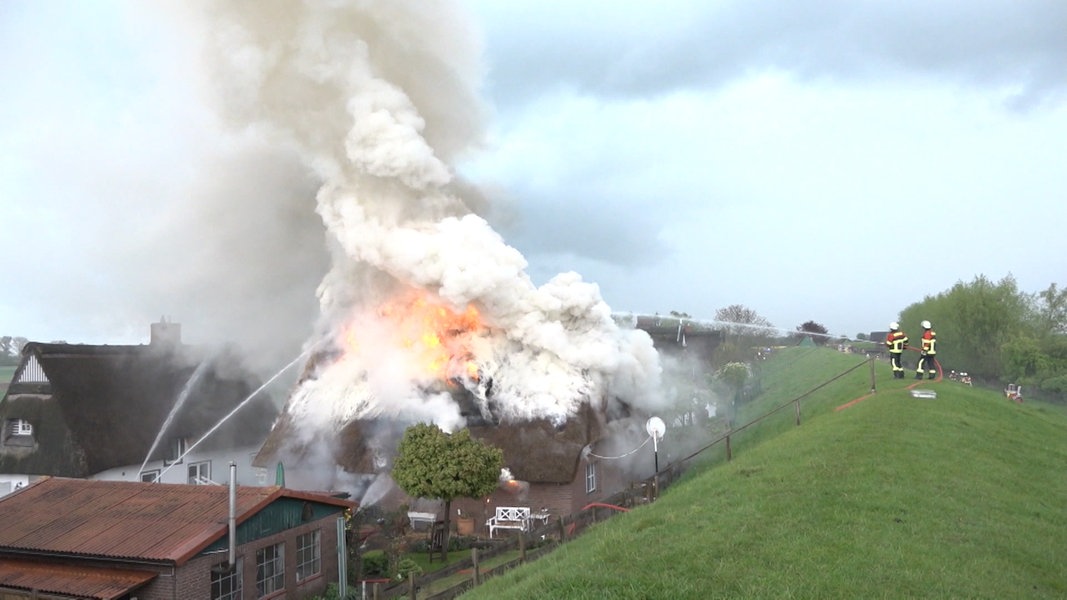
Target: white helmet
(925, 324)
(894, 326)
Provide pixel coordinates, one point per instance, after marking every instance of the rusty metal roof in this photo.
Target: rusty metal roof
(129, 520)
(71, 580)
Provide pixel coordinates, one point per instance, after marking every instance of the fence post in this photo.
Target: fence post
(796, 406)
(562, 530)
(522, 546)
(474, 568)
(870, 361)
(729, 453)
(411, 584)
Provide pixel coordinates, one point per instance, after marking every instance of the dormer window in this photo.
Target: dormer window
(17, 432)
(19, 427)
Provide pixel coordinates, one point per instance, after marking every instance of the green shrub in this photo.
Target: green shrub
(1055, 385)
(455, 542)
(375, 565)
(406, 567)
(332, 593)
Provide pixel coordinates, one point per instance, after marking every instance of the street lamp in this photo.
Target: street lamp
(656, 428)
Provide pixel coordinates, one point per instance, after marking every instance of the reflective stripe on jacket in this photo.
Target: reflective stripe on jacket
(929, 339)
(896, 341)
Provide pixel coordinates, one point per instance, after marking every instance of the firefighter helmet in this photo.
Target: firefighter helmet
(894, 326)
(926, 324)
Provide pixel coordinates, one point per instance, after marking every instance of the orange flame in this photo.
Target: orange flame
(433, 332)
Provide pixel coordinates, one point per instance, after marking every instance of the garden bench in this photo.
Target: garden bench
(509, 517)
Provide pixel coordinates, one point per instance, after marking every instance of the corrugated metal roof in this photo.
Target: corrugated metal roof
(129, 520)
(70, 580)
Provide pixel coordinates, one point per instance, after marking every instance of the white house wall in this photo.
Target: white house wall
(10, 483)
(219, 463)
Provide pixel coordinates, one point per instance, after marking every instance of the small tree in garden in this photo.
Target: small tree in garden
(433, 464)
(734, 375)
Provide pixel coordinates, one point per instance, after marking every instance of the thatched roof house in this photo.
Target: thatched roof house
(536, 451)
(75, 410)
(556, 463)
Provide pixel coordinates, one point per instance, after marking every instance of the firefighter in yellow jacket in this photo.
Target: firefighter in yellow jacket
(928, 353)
(896, 340)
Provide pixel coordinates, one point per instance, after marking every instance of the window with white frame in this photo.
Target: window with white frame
(17, 432)
(590, 478)
(270, 569)
(150, 476)
(178, 447)
(200, 472)
(308, 555)
(226, 583)
(18, 427)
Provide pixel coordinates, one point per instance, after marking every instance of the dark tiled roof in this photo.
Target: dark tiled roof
(129, 520)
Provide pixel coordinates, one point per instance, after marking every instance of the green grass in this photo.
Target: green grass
(6, 373)
(962, 496)
(441, 585)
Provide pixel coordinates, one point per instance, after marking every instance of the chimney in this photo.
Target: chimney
(165, 332)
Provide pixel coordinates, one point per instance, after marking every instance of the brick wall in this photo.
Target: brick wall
(192, 581)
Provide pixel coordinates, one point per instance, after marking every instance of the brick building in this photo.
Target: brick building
(115, 540)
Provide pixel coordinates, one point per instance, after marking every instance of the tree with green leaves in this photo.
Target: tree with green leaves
(734, 374)
(10, 349)
(433, 464)
(1052, 310)
(741, 320)
(817, 331)
(743, 329)
(996, 332)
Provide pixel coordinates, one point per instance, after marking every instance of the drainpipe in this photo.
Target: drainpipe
(233, 516)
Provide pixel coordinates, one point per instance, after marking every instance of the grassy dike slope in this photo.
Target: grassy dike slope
(963, 496)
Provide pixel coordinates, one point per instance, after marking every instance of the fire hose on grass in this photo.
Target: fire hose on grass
(910, 387)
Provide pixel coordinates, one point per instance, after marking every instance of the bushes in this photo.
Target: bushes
(455, 542)
(375, 565)
(332, 593)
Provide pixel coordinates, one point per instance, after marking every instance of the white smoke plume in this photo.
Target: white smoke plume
(380, 99)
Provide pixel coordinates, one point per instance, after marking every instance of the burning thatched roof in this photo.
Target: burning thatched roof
(537, 451)
(98, 407)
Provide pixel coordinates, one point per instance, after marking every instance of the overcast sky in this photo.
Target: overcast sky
(821, 160)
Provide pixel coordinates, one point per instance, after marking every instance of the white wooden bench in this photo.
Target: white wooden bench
(509, 517)
(421, 517)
